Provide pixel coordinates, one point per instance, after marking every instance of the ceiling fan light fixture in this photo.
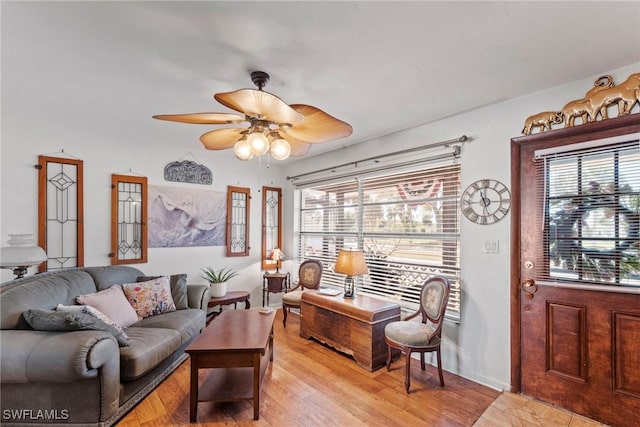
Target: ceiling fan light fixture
(280, 149)
(242, 150)
(291, 129)
(258, 143)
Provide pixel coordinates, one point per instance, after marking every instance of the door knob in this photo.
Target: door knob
(529, 287)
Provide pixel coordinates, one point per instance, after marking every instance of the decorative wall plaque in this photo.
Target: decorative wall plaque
(188, 171)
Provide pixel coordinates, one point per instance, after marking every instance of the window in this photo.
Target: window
(591, 211)
(271, 224)
(60, 212)
(407, 224)
(128, 219)
(238, 221)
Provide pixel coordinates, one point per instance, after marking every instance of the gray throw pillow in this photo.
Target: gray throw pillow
(178, 283)
(85, 320)
(59, 320)
(48, 320)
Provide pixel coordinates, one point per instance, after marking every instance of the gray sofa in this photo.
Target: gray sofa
(84, 377)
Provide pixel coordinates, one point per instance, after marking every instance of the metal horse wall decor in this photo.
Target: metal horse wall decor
(188, 171)
(596, 102)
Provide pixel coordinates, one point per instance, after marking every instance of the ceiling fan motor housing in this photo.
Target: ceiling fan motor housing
(259, 78)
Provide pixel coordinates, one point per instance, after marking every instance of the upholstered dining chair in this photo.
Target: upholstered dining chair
(424, 336)
(309, 275)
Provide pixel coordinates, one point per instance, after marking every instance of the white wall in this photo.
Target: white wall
(479, 347)
(102, 156)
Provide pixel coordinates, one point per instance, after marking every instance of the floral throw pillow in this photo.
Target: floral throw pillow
(151, 297)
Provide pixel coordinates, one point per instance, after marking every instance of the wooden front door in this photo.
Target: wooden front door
(575, 269)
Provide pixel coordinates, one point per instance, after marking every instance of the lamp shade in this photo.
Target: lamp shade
(280, 149)
(242, 150)
(21, 254)
(351, 263)
(258, 143)
(276, 255)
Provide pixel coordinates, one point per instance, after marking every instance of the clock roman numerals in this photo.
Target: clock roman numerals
(485, 201)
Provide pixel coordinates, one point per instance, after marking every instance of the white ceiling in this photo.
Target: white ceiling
(380, 66)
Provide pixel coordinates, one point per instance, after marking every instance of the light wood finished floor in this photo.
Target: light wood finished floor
(311, 385)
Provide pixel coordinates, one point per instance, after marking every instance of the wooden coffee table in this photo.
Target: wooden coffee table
(234, 345)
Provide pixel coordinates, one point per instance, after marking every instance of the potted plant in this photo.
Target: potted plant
(218, 280)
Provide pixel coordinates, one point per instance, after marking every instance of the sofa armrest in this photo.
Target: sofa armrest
(37, 357)
(59, 357)
(198, 296)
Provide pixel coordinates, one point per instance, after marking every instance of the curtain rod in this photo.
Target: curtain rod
(455, 153)
(463, 138)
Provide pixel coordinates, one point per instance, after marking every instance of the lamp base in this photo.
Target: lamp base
(349, 287)
(20, 272)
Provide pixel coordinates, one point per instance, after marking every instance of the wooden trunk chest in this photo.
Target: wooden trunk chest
(353, 326)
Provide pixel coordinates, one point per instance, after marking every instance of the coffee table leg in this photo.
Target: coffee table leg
(256, 386)
(193, 395)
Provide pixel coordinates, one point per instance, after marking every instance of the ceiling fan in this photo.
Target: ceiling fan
(275, 127)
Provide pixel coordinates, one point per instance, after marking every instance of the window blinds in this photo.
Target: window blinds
(589, 204)
(407, 224)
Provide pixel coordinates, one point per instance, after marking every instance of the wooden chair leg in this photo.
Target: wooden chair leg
(389, 358)
(422, 361)
(285, 309)
(440, 367)
(407, 380)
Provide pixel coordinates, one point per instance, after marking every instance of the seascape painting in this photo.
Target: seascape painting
(180, 217)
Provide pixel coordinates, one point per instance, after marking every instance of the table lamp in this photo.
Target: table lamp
(351, 263)
(276, 255)
(21, 254)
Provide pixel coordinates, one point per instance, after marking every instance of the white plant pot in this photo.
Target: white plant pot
(218, 289)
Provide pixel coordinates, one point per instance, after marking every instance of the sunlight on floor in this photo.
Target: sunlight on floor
(510, 410)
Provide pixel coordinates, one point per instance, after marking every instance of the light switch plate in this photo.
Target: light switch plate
(491, 247)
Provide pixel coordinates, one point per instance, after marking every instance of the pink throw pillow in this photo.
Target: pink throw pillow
(113, 304)
(151, 297)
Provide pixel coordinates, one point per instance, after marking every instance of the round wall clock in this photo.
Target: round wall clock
(486, 201)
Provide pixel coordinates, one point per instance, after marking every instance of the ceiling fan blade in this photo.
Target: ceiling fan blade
(221, 139)
(259, 104)
(202, 118)
(317, 126)
(298, 148)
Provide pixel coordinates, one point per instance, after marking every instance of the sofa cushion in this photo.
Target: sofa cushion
(150, 298)
(107, 276)
(113, 304)
(148, 347)
(178, 283)
(189, 322)
(44, 291)
(55, 320)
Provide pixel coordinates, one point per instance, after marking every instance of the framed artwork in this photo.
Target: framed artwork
(182, 217)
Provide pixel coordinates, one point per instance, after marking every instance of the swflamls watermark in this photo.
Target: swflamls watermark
(35, 414)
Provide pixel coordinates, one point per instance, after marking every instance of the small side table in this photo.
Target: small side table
(274, 282)
(232, 297)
